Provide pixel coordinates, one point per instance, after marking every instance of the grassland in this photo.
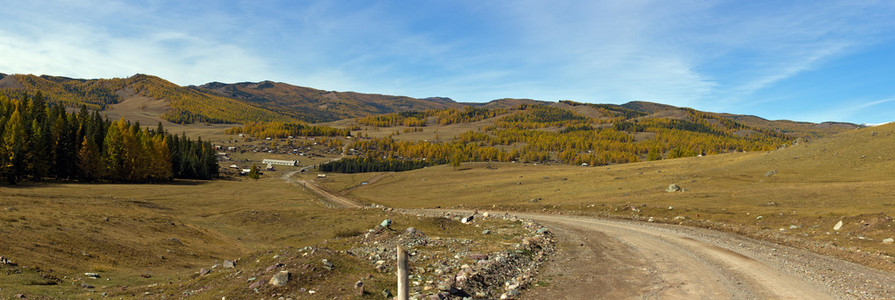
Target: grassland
(793, 195)
(149, 241)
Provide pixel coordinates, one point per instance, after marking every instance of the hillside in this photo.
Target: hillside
(180, 105)
(313, 105)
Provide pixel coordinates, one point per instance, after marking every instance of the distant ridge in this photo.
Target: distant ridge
(217, 102)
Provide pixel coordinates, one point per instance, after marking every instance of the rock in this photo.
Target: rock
(387, 294)
(485, 214)
(888, 241)
(467, 220)
(759, 217)
(534, 200)
(387, 223)
(20, 296)
(359, 287)
(92, 275)
(793, 227)
(770, 173)
(413, 231)
(280, 279)
(672, 188)
(204, 271)
(838, 226)
(86, 286)
(256, 284)
(328, 265)
(273, 267)
(478, 256)
(229, 264)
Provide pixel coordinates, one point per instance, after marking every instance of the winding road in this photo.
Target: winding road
(619, 259)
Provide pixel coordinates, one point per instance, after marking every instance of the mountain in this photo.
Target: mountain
(315, 105)
(154, 98)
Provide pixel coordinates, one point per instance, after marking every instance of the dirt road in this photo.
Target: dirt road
(330, 198)
(619, 259)
(616, 259)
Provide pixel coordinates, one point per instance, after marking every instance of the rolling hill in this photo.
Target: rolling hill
(313, 105)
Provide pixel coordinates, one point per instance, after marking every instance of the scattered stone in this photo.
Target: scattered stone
(677, 218)
(793, 227)
(759, 217)
(387, 294)
(92, 275)
(467, 220)
(672, 188)
(485, 214)
(229, 264)
(328, 265)
(770, 173)
(486, 231)
(772, 203)
(280, 279)
(204, 271)
(86, 286)
(888, 241)
(838, 226)
(21, 296)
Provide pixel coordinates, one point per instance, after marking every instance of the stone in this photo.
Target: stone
(413, 231)
(838, 226)
(478, 256)
(387, 223)
(467, 220)
(387, 294)
(485, 214)
(793, 227)
(204, 271)
(273, 267)
(92, 275)
(770, 173)
(256, 284)
(229, 264)
(888, 241)
(486, 231)
(328, 265)
(280, 279)
(672, 188)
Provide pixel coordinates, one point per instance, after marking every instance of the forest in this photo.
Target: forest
(41, 141)
(282, 130)
(543, 133)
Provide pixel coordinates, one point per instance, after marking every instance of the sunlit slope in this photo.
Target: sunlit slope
(824, 176)
(180, 104)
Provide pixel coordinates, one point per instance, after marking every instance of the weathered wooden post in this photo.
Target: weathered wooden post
(403, 289)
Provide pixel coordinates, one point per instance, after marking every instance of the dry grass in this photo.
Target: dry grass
(848, 176)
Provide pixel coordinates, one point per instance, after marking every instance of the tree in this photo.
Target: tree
(455, 160)
(254, 173)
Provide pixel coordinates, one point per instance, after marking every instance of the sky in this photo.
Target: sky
(817, 60)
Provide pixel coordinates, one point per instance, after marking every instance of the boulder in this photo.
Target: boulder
(328, 265)
(888, 241)
(672, 188)
(229, 264)
(280, 279)
(467, 220)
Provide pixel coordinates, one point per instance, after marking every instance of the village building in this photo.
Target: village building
(280, 162)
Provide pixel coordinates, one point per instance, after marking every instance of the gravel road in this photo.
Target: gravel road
(618, 259)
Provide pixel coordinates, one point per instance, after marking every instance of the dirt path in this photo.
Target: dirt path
(615, 259)
(330, 198)
(619, 259)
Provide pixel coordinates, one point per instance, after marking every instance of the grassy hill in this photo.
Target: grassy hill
(794, 195)
(314, 105)
(180, 105)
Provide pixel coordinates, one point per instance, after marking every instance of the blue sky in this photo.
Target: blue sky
(800, 60)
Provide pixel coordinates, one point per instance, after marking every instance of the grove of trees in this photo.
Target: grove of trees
(40, 141)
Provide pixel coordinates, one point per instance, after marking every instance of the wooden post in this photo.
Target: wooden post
(403, 288)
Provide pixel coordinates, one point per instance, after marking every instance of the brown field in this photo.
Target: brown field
(846, 177)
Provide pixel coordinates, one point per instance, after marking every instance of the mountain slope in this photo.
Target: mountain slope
(315, 105)
(183, 104)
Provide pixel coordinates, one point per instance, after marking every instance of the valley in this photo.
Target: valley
(655, 195)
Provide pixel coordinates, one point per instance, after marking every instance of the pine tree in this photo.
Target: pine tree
(254, 173)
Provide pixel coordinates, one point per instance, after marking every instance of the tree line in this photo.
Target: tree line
(282, 130)
(41, 141)
(372, 164)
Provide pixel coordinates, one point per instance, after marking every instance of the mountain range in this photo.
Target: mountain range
(217, 102)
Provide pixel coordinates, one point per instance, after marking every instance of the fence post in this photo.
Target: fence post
(402, 274)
